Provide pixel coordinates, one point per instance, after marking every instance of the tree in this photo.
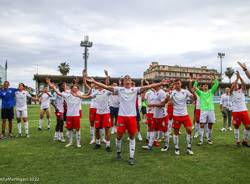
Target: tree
(229, 73)
(64, 68)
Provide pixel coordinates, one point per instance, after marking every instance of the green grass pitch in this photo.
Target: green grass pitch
(50, 162)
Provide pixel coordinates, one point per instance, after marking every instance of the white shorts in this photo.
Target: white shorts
(21, 113)
(207, 117)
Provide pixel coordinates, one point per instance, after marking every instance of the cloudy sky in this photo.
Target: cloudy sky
(127, 35)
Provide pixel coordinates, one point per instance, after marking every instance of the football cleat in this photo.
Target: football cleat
(97, 146)
(165, 148)
(118, 156)
(177, 151)
(69, 144)
(131, 161)
(189, 151)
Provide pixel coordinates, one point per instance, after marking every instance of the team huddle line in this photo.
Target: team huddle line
(115, 106)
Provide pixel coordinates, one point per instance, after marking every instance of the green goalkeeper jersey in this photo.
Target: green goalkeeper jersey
(206, 98)
(144, 103)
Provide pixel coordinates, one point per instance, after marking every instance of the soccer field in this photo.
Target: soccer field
(50, 162)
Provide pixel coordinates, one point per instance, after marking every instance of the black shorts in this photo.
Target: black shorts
(144, 110)
(114, 112)
(138, 116)
(7, 113)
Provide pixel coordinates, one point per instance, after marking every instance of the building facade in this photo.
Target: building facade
(40, 81)
(158, 72)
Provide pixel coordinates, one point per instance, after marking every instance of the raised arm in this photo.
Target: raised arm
(53, 87)
(197, 90)
(79, 95)
(39, 94)
(48, 94)
(234, 84)
(107, 79)
(76, 81)
(31, 96)
(109, 88)
(243, 85)
(34, 98)
(163, 82)
(215, 86)
(142, 82)
(191, 87)
(84, 77)
(244, 67)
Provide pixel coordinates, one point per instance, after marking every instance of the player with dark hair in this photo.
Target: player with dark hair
(207, 107)
(59, 105)
(21, 109)
(45, 97)
(239, 110)
(127, 111)
(7, 95)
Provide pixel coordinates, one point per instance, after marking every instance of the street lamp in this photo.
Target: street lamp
(86, 44)
(221, 55)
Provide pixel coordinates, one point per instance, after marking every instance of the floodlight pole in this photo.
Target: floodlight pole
(221, 55)
(86, 44)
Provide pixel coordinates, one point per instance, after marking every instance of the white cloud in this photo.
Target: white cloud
(127, 35)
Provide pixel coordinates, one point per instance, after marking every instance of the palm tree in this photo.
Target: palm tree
(229, 73)
(64, 68)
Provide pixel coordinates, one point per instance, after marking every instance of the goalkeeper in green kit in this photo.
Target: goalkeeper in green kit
(207, 107)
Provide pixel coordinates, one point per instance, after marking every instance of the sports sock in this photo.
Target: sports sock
(151, 138)
(40, 123)
(209, 132)
(118, 145)
(206, 130)
(78, 137)
(245, 136)
(189, 141)
(158, 135)
(70, 134)
(167, 138)
(107, 143)
(92, 133)
(98, 141)
(237, 134)
(19, 127)
(148, 136)
(131, 148)
(176, 141)
(56, 135)
(197, 126)
(61, 135)
(48, 122)
(201, 132)
(26, 127)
